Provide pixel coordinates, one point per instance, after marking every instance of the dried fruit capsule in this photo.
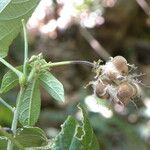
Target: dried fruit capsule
(115, 68)
(137, 90)
(121, 65)
(110, 71)
(100, 90)
(125, 92)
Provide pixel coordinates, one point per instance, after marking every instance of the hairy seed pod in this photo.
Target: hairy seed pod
(100, 90)
(125, 92)
(110, 71)
(137, 90)
(121, 65)
(112, 75)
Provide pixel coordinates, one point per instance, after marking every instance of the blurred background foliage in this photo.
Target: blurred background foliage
(90, 30)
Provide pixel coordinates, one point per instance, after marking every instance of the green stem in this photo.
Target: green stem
(15, 118)
(25, 48)
(31, 75)
(6, 104)
(17, 72)
(55, 64)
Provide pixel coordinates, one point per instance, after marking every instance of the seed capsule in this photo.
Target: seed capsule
(121, 65)
(115, 68)
(100, 90)
(125, 92)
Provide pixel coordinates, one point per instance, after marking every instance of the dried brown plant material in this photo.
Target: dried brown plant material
(115, 68)
(100, 90)
(125, 91)
(114, 82)
(121, 64)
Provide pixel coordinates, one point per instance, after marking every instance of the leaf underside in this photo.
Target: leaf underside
(11, 14)
(3, 4)
(52, 85)
(10, 79)
(30, 104)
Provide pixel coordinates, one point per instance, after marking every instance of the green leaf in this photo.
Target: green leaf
(10, 79)
(67, 135)
(5, 115)
(30, 104)
(11, 14)
(46, 147)
(74, 136)
(3, 142)
(31, 137)
(3, 4)
(88, 138)
(52, 85)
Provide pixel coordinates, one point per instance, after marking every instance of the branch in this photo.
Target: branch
(99, 49)
(144, 5)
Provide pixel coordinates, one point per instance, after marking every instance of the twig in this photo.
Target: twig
(144, 5)
(99, 49)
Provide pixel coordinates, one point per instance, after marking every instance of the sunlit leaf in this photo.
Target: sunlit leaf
(11, 14)
(74, 136)
(10, 79)
(30, 104)
(67, 135)
(3, 4)
(52, 86)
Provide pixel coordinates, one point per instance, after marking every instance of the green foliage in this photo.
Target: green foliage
(5, 116)
(66, 138)
(74, 136)
(11, 14)
(31, 137)
(3, 142)
(27, 137)
(30, 104)
(52, 85)
(10, 79)
(3, 4)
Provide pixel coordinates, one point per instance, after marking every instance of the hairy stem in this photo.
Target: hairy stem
(55, 64)
(31, 75)
(7, 105)
(25, 48)
(15, 118)
(17, 72)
